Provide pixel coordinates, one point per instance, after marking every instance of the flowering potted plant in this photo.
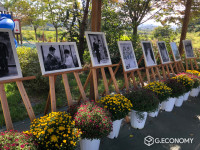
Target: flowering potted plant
(12, 140)
(177, 90)
(55, 131)
(195, 91)
(118, 106)
(186, 81)
(162, 91)
(143, 101)
(94, 122)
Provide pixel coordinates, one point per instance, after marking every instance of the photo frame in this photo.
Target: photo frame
(58, 57)
(164, 55)
(98, 48)
(175, 52)
(128, 55)
(9, 62)
(189, 53)
(149, 56)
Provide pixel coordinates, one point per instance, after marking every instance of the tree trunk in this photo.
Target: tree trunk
(56, 34)
(185, 25)
(81, 47)
(135, 36)
(35, 29)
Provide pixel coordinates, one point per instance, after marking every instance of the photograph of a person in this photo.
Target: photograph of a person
(58, 57)
(148, 53)
(9, 62)
(187, 44)
(175, 52)
(127, 55)
(98, 48)
(162, 49)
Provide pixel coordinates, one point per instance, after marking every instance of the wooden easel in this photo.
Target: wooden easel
(52, 95)
(93, 75)
(24, 96)
(192, 66)
(179, 66)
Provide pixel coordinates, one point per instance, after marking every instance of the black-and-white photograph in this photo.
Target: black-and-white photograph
(9, 63)
(98, 48)
(162, 49)
(148, 53)
(58, 57)
(187, 44)
(175, 52)
(127, 55)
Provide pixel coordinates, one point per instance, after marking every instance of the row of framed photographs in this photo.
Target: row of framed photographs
(63, 56)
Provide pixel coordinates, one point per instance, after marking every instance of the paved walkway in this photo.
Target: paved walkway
(183, 122)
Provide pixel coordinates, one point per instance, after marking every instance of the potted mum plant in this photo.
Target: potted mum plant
(55, 131)
(177, 90)
(94, 122)
(186, 81)
(143, 101)
(16, 140)
(118, 106)
(162, 91)
(196, 75)
(195, 91)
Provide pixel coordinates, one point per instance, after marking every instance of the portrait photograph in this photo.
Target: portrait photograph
(175, 51)
(162, 49)
(148, 53)
(127, 55)
(187, 44)
(9, 62)
(58, 57)
(98, 48)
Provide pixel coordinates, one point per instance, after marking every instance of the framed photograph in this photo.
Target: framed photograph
(148, 54)
(187, 44)
(58, 57)
(98, 48)
(127, 55)
(175, 52)
(162, 49)
(9, 62)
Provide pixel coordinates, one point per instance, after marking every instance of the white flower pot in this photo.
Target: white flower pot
(87, 144)
(138, 119)
(179, 101)
(185, 96)
(168, 105)
(194, 92)
(155, 113)
(116, 127)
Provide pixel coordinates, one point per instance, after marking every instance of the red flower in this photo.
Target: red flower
(22, 146)
(16, 140)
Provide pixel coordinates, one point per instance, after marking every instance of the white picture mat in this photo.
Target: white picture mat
(87, 33)
(16, 60)
(146, 63)
(129, 44)
(56, 45)
(185, 43)
(159, 51)
(175, 51)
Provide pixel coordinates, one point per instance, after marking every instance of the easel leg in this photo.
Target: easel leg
(67, 89)
(177, 71)
(158, 73)
(196, 65)
(153, 74)
(126, 81)
(170, 65)
(186, 62)
(140, 78)
(191, 64)
(6, 111)
(148, 76)
(113, 79)
(164, 74)
(133, 78)
(182, 67)
(86, 83)
(26, 100)
(96, 92)
(52, 93)
(80, 86)
(105, 81)
(168, 73)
